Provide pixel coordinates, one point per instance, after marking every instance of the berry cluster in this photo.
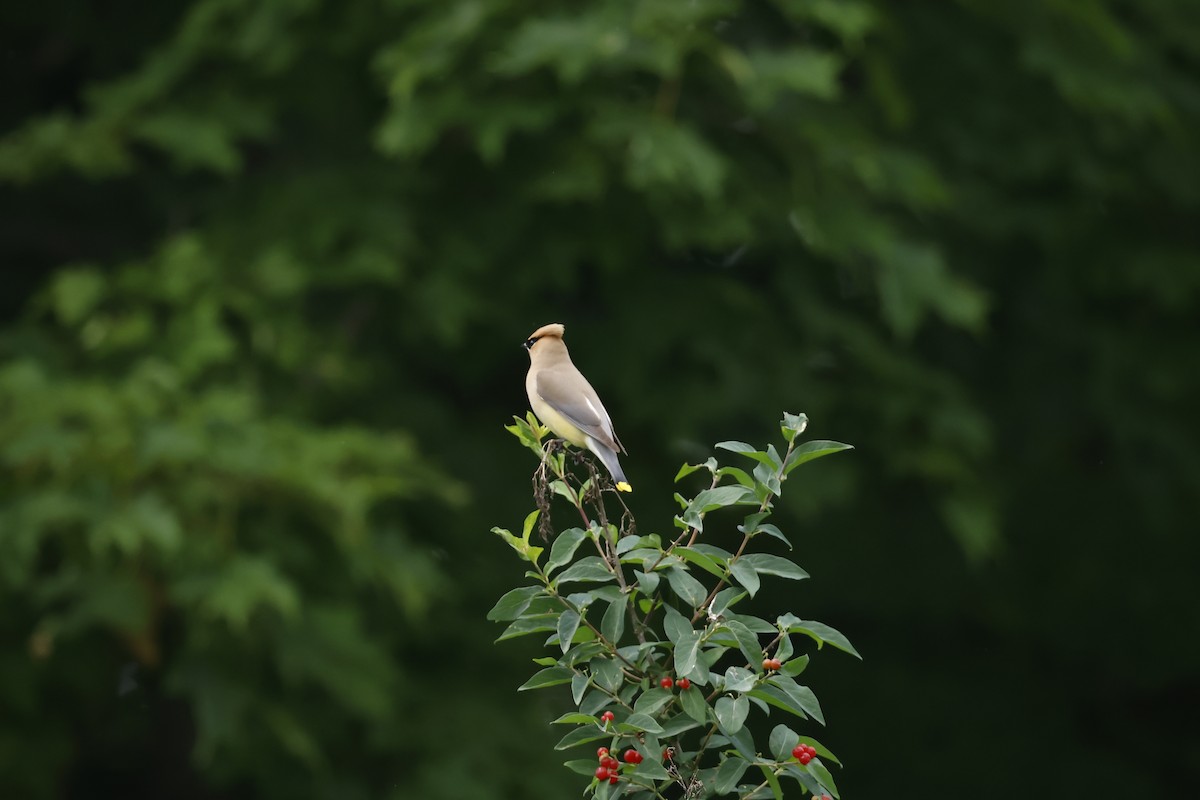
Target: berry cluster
(606, 717)
(610, 769)
(772, 664)
(822, 797)
(804, 753)
(667, 682)
(609, 766)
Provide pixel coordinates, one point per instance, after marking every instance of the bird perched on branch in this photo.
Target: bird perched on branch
(566, 403)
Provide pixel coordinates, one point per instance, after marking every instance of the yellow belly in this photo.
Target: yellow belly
(557, 423)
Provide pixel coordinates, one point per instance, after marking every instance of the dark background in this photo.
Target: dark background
(267, 268)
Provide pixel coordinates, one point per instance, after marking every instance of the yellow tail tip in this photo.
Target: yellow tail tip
(622, 486)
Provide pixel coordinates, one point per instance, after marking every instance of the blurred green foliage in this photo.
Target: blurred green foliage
(268, 266)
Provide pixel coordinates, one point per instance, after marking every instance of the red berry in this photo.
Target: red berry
(771, 664)
(804, 757)
(798, 751)
(602, 752)
(684, 684)
(666, 682)
(668, 753)
(610, 762)
(607, 716)
(632, 756)
(613, 780)
(602, 773)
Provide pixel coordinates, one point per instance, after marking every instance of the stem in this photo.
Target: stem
(745, 539)
(703, 609)
(700, 752)
(612, 648)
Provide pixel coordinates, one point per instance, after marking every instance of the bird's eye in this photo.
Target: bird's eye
(530, 342)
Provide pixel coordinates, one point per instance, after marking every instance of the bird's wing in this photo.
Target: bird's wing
(582, 409)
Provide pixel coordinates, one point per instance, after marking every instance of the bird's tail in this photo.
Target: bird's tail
(608, 457)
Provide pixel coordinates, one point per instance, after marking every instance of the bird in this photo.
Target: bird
(567, 404)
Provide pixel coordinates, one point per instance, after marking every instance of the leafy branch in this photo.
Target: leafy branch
(643, 678)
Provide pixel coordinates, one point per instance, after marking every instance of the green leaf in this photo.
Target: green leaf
(639, 722)
(551, 676)
(647, 583)
(725, 599)
(652, 700)
(739, 679)
(606, 673)
(739, 475)
(586, 648)
(529, 432)
(783, 741)
(564, 491)
(773, 531)
(568, 623)
(718, 553)
(513, 603)
(772, 780)
(651, 542)
(580, 600)
(651, 768)
(712, 499)
(823, 634)
(800, 696)
(792, 425)
(784, 650)
(687, 656)
(524, 549)
(731, 713)
(747, 641)
(678, 724)
(741, 448)
(744, 742)
(582, 766)
(579, 684)
(675, 625)
(564, 547)
(821, 773)
(767, 477)
(756, 624)
(591, 569)
(688, 588)
(752, 521)
(530, 624)
(575, 718)
(812, 450)
(773, 695)
(701, 560)
(692, 700)
(688, 469)
(744, 573)
(582, 735)
(729, 773)
(527, 525)
(795, 666)
(768, 564)
(612, 625)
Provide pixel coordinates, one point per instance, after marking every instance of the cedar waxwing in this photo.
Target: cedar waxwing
(566, 403)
